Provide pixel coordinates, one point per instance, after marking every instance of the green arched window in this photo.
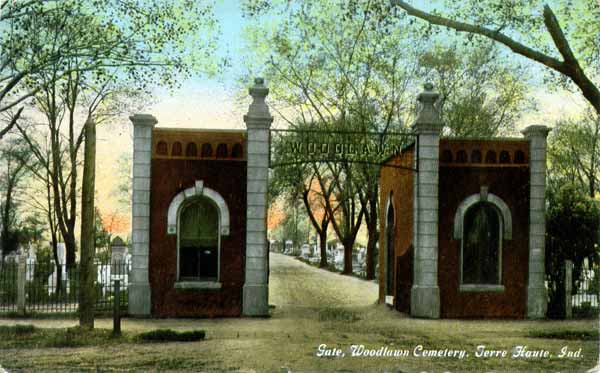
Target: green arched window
(199, 241)
(481, 245)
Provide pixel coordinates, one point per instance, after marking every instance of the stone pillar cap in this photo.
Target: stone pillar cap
(143, 119)
(536, 130)
(428, 118)
(258, 109)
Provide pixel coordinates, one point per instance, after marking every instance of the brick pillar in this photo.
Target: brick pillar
(139, 287)
(536, 288)
(425, 293)
(258, 122)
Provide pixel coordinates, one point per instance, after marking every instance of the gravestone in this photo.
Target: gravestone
(120, 261)
(118, 251)
(305, 251)
(61, 251)
(30, 263)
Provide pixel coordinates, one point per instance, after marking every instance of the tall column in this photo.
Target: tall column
(258, 122)
(536, 288)
(425, 293)
(139, 287)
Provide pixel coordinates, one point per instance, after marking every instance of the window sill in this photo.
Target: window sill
(482, 288)
(197, 285)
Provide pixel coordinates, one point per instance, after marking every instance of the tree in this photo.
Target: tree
(574, 153)
(328, 73)
(98, 52)
(102, 238)
(572, 224)
(39, 35)
(117, 61)
(16, 158)
(576, 61)
(480, 95)
(87, 293)
(345, 65)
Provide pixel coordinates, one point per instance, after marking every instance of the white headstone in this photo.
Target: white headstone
(62, 253)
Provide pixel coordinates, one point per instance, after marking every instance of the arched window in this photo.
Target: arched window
(206, 150)
(176, 150)
(519, 157)
(222, 151)
(191, 150)
(482, 221)
(389, 246)
(476, 156)
(236, 152)
(490, 157)
(481, 245)
(461, 156)
(200, 218)
(199, 241)
(504, 157)
(161, 148)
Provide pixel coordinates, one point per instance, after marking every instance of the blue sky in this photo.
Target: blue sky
(210, 102)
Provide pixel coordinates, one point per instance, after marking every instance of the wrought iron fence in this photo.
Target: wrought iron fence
(8, 287)
(587, 291)
(55, 289)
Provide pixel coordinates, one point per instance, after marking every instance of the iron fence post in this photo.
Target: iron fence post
(21, 277)
(117, 309)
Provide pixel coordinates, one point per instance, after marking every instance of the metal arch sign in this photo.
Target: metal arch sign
(294, 146)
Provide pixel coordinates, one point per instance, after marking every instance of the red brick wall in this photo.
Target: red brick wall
(508, 181)
(169, 177)
(398, 182)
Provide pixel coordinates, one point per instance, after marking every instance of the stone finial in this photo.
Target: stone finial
(428, 118)
(143, 119)
(536, 130)
(258, 108)
(117, 241)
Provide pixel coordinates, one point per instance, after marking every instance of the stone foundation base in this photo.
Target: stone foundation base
(256, 300)
(425, 301)
(537, 303)
(139, 299)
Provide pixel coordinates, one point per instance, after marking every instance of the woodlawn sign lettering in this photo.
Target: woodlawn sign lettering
(292, 147)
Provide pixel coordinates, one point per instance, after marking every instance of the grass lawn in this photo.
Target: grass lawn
(292, 339)
(312, 307)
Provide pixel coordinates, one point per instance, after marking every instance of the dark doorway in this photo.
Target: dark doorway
(389, 244)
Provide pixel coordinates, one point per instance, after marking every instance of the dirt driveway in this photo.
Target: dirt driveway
(315, 308)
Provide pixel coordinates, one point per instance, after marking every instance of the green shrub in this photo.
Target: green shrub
(24, 329)
(168, 335)
(17, 329)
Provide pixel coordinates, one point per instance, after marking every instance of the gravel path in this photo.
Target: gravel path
(293, 283)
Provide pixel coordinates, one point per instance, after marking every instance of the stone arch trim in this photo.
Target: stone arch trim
(198, 190)
(483, 196)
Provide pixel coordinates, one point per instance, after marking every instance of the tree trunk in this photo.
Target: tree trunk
(372, 233)
(348, 246)
(87, 290)
(70, 245)
(59, 273)
(323, 246)
(569, 67)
